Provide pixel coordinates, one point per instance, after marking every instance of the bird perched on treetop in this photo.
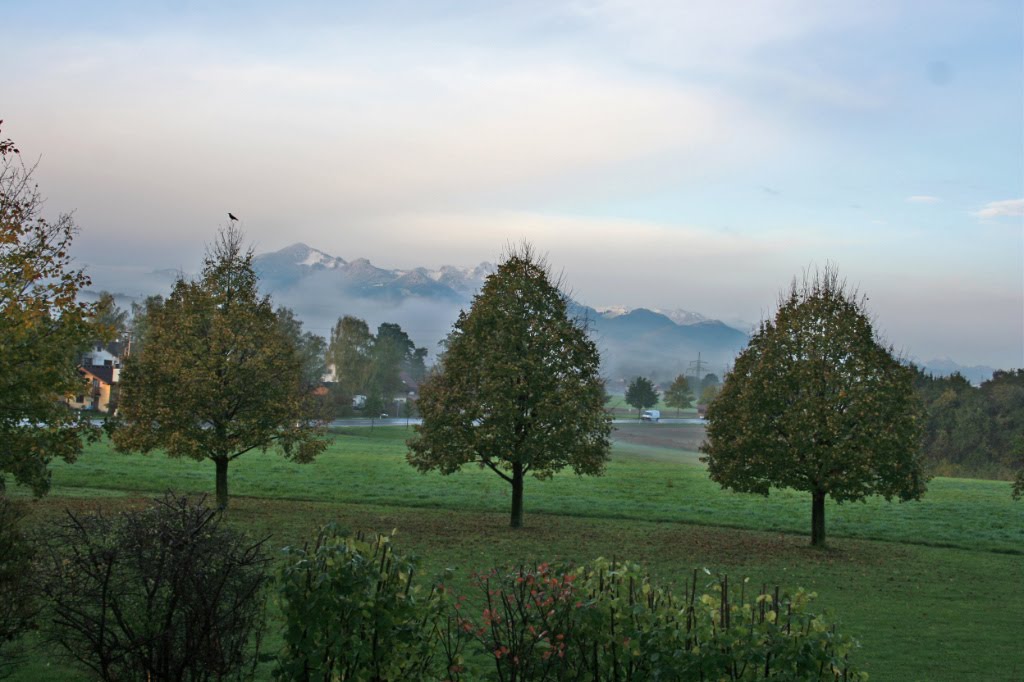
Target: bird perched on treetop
(232, 216)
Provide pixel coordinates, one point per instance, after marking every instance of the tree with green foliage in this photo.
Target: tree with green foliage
(350, 350)
(311, 347)
(373, 365)
(817, 403)
(19, 605)
(138, 322)
(1018, 481)
(43, 331)
(641, 394)
(679, 394)
(709, 393)
(518, 390)
(219, 372)
(393, 351)
(709, 380)
(110, 316)
(973, 431)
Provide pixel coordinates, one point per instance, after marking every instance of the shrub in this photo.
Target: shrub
(607, 621)
(353, 612)
(165, 593)
(17, 584)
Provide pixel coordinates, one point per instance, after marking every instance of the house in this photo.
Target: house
(100, 367)
(97, 392)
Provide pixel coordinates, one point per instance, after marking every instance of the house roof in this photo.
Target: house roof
(104, 373)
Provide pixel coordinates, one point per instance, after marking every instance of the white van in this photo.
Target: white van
(650, 415)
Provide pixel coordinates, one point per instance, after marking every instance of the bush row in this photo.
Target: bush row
(168, 593)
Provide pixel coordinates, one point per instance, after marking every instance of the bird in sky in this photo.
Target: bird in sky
(232, 216)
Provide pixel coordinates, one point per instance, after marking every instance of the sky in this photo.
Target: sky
(666, 154)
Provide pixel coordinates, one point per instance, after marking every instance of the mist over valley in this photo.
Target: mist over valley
(320, 288)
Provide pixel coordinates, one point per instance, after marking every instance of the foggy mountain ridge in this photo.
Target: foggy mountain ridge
(321, 288)
(293, 264)
(632, 341)
(944, 367)
(679, 316)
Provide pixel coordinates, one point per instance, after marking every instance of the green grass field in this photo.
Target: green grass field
(932, 589)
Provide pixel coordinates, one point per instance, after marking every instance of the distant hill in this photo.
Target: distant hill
(944, 367)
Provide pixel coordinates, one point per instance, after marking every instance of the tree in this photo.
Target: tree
(18, 604)
(817, 403)
(709, 393)
(1018, 480)
(219, 373)
(710, 380)
(350, 351)
(641, 394)
(163, 593)
(43, 330)
(109, 316)
(373, 366)
(392, 348)
(679, 394)
(518, 389)
(138, 325)
(312, 350)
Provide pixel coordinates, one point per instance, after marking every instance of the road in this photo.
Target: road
(391, 421)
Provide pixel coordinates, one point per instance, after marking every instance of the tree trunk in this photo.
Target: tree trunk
(222, 482)
(818, 518)
(517, 495)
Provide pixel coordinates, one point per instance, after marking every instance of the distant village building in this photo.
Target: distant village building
(100, 368)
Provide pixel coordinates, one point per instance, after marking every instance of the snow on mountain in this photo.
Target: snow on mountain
(302, 267)
(679, 316)
(318, 258)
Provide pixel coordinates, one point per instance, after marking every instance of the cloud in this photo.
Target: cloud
(923, 199)
(1009, 208)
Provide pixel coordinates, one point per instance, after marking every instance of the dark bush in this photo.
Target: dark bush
(165, 593)
(17, 584)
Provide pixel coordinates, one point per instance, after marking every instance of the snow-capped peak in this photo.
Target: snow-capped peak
(314, 258)
(679, 316)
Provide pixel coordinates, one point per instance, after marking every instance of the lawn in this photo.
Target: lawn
(932, 589)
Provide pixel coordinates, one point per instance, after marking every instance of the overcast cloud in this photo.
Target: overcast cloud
(689, 155)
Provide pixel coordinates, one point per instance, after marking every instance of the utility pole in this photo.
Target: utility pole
(697, 366)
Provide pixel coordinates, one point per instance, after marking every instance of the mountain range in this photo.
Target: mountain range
(633, 341)
(321, 288)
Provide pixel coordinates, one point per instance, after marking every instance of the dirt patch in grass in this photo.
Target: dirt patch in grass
(675, 436)
(475, 540)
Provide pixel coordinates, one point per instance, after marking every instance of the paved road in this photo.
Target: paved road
(339, 423)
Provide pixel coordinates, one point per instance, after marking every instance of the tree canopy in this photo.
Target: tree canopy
(374, 366)
(641, 394)
(679, 394)
(43, 330)
(817, 403)
(518, 389)
(219, 373)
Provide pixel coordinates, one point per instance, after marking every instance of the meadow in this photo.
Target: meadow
(932, 589)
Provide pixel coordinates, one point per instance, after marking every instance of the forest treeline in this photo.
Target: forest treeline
(973, 431)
